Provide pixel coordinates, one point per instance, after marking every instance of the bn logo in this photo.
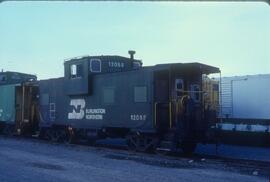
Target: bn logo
(78, 109)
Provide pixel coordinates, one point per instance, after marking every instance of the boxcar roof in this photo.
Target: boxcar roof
(10, 77)
(14, 73)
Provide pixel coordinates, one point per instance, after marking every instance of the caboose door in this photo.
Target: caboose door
(161, 98)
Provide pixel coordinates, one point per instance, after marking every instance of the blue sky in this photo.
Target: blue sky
(36, 37)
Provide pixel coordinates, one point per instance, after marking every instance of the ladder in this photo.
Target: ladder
(226, 98)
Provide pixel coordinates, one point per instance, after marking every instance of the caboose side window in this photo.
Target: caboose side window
(140, 94)
(73, 70)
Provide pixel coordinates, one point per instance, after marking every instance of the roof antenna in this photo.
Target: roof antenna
(131, 53)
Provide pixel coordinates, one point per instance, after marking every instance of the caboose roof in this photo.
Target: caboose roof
(190, 67)
(102, 57)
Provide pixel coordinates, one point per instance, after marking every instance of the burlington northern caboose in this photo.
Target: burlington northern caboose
(154, 107)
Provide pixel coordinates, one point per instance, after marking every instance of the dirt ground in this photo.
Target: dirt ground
(28, 160)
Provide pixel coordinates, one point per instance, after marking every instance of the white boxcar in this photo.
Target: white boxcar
(245, 109)
(246, 97)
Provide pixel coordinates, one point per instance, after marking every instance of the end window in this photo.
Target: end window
(95, 65)
(179, 85)
(195, 92)
(215, 87)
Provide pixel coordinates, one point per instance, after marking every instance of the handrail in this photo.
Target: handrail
(189, 91)
(155, 113)
(170, 113)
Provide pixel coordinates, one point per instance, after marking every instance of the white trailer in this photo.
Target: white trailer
(246, 97)
(245, 109)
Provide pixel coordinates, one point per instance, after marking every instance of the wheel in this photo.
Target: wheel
(1, 129)
(68, 137)
(188, 147)
(142, 143)
(55, 136)
(8, 130)
(91, 141)
(132, 143)
(42, 134)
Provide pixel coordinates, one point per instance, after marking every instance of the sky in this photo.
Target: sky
(36, 37)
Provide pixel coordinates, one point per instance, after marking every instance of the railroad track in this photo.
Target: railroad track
(173, 160)
(250, 166)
